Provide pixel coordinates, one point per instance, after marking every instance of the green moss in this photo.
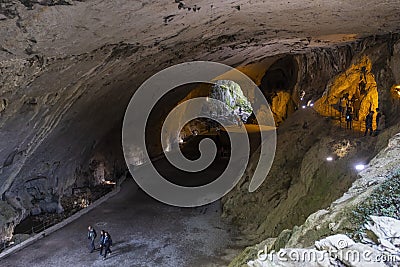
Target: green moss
(282, 239)
(249, 253)
(384, 201)
(235, 93)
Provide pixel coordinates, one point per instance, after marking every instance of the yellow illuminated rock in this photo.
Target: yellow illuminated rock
(358, 82)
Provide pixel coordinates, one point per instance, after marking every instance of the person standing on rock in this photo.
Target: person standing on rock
(368, 123)
(107, 243)
(91, 236)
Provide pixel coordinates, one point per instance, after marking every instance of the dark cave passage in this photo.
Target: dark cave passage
(280, 76)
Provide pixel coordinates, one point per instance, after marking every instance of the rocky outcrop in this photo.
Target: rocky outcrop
(369, 195)
(340, 250)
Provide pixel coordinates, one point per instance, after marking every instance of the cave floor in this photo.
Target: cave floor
(145, 232)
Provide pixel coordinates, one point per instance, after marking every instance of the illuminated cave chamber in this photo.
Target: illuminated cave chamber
(355, 87)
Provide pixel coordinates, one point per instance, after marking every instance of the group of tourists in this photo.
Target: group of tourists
(104, 244)
(349, 109)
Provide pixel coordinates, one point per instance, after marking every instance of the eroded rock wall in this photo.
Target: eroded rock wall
(301, 179)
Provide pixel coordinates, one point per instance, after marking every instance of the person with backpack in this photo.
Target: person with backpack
(107, 243)
(91, 236)
(368, 123)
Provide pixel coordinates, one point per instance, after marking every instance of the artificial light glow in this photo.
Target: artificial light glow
(397, 89)
(312, 104)
(180, 140)
(360, 167)
(303, 106)
(329, 158)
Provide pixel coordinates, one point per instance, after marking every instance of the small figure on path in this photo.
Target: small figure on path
(107, 243)
(91, 236)
(102, 235)
(368, 123)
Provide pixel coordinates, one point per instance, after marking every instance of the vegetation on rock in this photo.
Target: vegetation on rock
(384, 201)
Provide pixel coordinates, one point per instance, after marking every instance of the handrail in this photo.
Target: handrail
(45, 225)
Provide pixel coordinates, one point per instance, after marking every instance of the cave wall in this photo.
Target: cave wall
(54, 131)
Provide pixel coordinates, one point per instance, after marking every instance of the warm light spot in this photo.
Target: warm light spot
(342, 148)
(396, 89)
(329, 159)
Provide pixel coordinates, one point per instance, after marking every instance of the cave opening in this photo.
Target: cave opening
(278, 85)
(281, 76)
(232, 109)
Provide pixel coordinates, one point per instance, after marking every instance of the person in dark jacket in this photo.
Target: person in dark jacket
(349, 118)
(107, 243)
(378, 116)
(91, 236)
(381, 124)
(102, 235)
(368, 123)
